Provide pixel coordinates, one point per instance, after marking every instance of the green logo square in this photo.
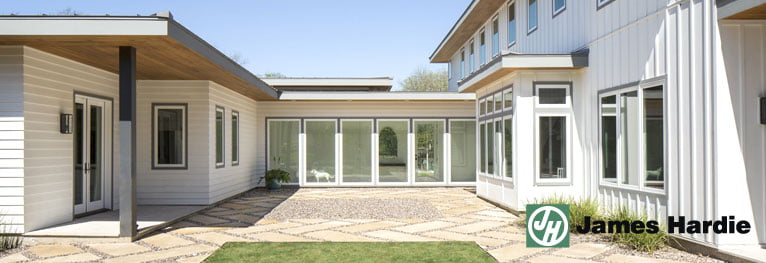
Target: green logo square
(548, 225)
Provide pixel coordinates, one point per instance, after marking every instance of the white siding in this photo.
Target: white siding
(337, 109)
(12, 137)
(739, 133)
(230, 180)
(174, 187)
(49, 85)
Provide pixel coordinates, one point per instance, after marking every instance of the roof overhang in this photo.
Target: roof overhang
(508, 62)
(165, 50)
(473, 18)
(330, 82)
(376, 96)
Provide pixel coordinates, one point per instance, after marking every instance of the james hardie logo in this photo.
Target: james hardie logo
(548, 226)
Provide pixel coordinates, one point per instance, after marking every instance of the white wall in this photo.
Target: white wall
(233, 179)
(12, 137)
(181, 186)
(741, 139)
(49, 85)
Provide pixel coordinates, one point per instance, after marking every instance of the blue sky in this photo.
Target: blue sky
(353, 38)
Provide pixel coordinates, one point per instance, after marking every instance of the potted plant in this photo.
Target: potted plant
(275, 177)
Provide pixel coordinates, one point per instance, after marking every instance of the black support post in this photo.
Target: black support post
(127, 177)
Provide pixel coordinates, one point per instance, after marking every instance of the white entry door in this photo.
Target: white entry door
(92, 150)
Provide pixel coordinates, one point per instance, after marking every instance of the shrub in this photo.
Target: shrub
(644, 241)
(578, 209)
(8, 240)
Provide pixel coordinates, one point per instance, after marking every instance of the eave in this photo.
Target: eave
(472, 19)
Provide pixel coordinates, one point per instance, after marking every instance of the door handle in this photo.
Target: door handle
(86, 166)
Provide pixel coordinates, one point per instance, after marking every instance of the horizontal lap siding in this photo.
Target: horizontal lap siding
(173, 187)
(11, 139)
(230, 180)
(49, 86)
(366, 109)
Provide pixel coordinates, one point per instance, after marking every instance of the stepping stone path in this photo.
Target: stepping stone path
(459, 215)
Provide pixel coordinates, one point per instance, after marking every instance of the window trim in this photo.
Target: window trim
(617, 91)
(155, 151)
(602, 3)
(538, 180)
(556, 12)
(235, 114)
(511, 4)
(222, 164)
(531, 30)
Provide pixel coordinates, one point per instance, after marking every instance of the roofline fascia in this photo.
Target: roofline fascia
(375, 96)
(452, 30)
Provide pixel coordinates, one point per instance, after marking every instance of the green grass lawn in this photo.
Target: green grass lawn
(350, 252)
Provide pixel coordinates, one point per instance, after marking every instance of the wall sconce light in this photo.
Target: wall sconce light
(65, 123)
(763, 110)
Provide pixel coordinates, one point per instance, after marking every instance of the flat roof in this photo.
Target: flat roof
(376, 96)
(165, 50)
(509, 62)
(472, 19)
(331, 82)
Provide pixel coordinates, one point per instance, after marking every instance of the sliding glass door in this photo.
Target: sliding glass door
(320, 151)
(462, 150)
(392, 151)
(283, 146)
(357, 151)
(429, 151)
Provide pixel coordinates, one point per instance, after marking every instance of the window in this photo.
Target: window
(283, 146)
(320, 151)
(449, 70)
(553, 147)
(357, 151)
(463, 150)
(392, 151)
(552, 94)
(508, 146)
(234, 138)
(169, 136)
(490, 104)
(490, 148)
(632, 149)
(532, 16)
(654, 139)
(219, 112)
(462, 63)
(602, 3)
(483, 107)
(512, 23)
(629, 137)
(471, 57)
(495, 37)
(498, 102)
(483, 147)
(429, 145)
(609, 138)
(508, 99)
(482, 48)
(559, 6)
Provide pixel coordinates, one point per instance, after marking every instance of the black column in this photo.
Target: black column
(127, 178)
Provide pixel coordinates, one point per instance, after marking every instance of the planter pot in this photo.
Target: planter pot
(273, 185)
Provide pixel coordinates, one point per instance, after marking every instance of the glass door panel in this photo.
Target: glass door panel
(463, 151)
(392, 151)
(95, 166)
(429, 148)
(320, 152)
(283, 146)
(79, 157)
(357, 151)
(91, 117)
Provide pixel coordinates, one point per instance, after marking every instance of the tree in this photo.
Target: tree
(69, 12)
(272, 75)
(424, 79)
(237, 57)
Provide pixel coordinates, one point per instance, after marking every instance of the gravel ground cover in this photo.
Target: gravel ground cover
(367, 208)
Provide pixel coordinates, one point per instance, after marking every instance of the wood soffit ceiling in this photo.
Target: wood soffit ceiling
(758, 12)
(157, 58)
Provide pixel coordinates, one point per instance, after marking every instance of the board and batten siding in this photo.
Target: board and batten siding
(232, 179)
(340, 109)
(188, 186)
(739, 133)
(50, 83)
(12, 138)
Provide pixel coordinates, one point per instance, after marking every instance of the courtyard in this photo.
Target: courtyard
(341, 215)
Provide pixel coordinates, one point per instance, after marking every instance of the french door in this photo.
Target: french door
(92, 132)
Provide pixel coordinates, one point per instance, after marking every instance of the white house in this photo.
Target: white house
(653, 105)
